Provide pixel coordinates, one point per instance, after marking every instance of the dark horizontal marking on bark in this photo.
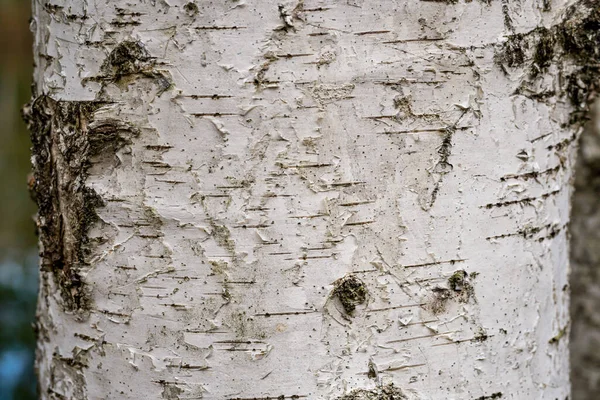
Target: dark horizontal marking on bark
(531, 175)
(157, 164)
(433, 130)
(316, 9)
(365, 271)
(216, 114)
(522, 232)
(269, 243)
(266, 82)
(356, 203)
(158, 296)
(185, 278)
(402, 367)
(231, 187)
(165, 382)
(348, 183)
(278, 195)
(126, 267)
(114, 313)
(289, 55)
(85, 337)
(358, 223)
(403, 81)
(158, 147)
(252, 226)
(422, 322)
(370, 33)
(493, 396)
(239, 282)
(206, 96)
(257, 209)
(318, 34)
(450, 71)
(172, 181)
(420, 337)
(75, 17)
(122, 11)
(239, 341)
(175, 305)
(218, 28)
(267, 315)
(154, 255)
(540, 137)
(317, 248)
(434, 263)
(425, 39)
(526, 200)
(216, 195)
(305, 165)
(125, 23)
(427, 280)
(395, 307)
(381, 117)
(151, 236)
(473, 339)
(562, 144)
(309, 216)
(281, 397)
(283, 253)
(235, 349)
(188, 366)
(314, 257)
(191, 330)
(528, 233)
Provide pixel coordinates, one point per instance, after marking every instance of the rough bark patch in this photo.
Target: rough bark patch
(572, 45)
(65, 138)
(351, 292)
(128, 61)
(459, 289)
(388, 392)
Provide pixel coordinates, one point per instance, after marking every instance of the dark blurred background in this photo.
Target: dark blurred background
(18, 254)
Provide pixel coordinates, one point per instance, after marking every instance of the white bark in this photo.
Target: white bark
(279, 164)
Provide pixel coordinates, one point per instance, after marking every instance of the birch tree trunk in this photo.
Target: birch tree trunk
(318, 199)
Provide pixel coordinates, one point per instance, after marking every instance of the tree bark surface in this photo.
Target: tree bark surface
(313, 199)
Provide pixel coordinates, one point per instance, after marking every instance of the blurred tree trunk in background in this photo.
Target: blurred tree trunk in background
(585, 259)
(312, 199)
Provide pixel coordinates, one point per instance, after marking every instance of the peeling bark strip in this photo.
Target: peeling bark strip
(64, 139)
(297, 197)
